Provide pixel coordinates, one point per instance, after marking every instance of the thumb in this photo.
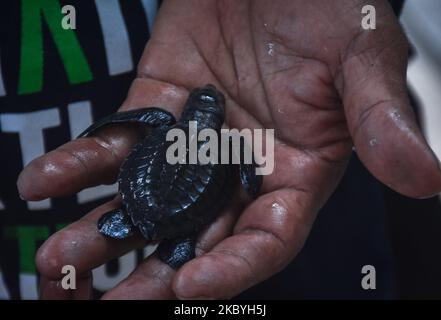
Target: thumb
(380, 117)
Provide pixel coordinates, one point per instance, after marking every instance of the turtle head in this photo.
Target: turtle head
(205, 105)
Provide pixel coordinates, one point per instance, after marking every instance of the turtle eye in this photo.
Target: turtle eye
(207, 98)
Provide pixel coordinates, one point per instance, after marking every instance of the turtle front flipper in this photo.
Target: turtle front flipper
(116, 224)
(176, 252)
(154, 117)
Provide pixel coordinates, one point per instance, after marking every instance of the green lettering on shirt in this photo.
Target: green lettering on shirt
(31, 57)
(27, 237)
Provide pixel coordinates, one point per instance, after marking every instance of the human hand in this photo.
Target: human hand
(304, 68)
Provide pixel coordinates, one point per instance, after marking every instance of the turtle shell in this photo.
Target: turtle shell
(168, 201)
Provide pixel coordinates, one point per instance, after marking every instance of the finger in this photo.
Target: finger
(76, 165)
(82, 246)
(269, 233)
(91, 161)
(52, 290)
(150, 281)
(153, 279)
(379, 115)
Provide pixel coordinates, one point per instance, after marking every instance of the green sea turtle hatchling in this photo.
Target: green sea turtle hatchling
(172, 203)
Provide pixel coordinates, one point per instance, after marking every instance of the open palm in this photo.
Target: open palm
(306, 69)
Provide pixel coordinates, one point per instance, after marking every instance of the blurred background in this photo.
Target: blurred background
(421, 20)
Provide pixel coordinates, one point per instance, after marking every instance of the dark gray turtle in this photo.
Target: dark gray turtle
(167, 202)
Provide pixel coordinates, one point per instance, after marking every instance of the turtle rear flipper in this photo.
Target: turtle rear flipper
(176, 252)
(116, 224)
(154, 117)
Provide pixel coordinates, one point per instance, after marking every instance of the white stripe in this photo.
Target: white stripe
(2, 86)
(29, 127)
(116, 39)
(80, 117)
(148, 250)
(150, 8)
(39, 205)
(4, 293)
(98, 192)
(28, 286)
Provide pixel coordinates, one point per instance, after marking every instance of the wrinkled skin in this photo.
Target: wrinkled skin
(305, 68)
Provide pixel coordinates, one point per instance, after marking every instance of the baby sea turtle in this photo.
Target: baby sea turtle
(172, 203)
